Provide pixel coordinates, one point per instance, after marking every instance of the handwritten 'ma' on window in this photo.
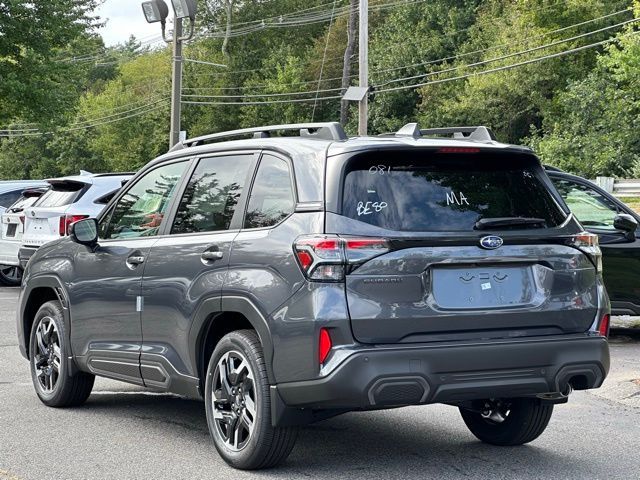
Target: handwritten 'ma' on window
(459, 199)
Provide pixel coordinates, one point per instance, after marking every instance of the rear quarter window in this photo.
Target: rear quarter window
(429, 191)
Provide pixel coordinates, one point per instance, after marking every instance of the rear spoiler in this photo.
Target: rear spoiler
(34, 192)
(67, 185)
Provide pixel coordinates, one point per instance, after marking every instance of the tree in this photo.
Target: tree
(34, 72)
(511, 101)
(591, 127)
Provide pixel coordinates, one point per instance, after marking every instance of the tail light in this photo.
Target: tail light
(67, 220)
(21, 217)
(588, 244)
(603, 328)
(324, 345)
(327, 258)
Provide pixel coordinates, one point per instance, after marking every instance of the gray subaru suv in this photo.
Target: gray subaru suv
(288, 274)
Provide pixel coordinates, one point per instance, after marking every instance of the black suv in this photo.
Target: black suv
(288, 279)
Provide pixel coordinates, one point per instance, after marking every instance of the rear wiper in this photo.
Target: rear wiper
(486, 223)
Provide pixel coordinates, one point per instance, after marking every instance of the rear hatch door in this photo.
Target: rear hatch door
(477, 249)
(43, 220)
(13, 218)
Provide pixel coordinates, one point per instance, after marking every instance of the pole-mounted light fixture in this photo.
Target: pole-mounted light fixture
(155, 11)
(185, 8)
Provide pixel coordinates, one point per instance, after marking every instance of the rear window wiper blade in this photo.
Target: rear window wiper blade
(485, 223)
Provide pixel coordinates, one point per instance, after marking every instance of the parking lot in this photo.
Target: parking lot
(126, 432)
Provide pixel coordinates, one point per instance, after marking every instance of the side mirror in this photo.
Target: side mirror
(625, 223)
(85, 232)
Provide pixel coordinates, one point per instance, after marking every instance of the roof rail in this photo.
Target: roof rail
(323, 131)
(474, 134)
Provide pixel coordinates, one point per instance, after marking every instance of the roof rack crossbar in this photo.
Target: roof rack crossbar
(324, 131)
(476, 134)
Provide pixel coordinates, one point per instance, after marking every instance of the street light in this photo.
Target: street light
(157, 11)
(185, 8)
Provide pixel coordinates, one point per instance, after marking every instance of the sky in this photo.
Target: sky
(124, 18)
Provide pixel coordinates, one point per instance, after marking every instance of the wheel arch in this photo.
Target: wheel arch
(218, 316)
(39, 291)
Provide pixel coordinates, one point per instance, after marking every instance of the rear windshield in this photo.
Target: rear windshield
(61, 195)
(8, 198)
(445, 192)
(22, 203)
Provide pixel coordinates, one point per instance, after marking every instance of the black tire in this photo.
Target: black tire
(523, 420)
(264, 446)
(63, 390)
(10, 276)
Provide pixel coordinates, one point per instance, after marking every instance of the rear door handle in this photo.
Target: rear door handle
(135, 260)
(212, 256)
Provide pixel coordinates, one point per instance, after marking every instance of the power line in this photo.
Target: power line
(324, 56)
(263, 95)
(429, 62)
(119, 114)
(118, 119)
(428, 74)
(504, 45)
(515, 54)
(506, 67)
(319, 17)
(296, 100)
(91, 123)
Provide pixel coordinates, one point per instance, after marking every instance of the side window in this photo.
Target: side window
(140, 211)
(272, 197)
(9, 198)
(590, 207)
(213, 192)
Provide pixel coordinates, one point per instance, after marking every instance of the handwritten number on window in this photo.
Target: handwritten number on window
(379, 170)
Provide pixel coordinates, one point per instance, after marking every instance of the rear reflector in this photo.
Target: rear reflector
(603, 329)
(324, 345)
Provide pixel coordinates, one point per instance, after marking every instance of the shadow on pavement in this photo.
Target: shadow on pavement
(417, 441)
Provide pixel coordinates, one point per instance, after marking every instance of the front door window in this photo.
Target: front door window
(139, 213)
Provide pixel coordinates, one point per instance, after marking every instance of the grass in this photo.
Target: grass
(633, 202)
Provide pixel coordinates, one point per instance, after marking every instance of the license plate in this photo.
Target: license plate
(11, 230)
(483, 287)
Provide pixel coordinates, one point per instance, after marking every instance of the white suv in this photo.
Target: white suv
(68, 200)
(11, 230)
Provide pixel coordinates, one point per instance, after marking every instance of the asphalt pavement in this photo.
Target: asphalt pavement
(125, 432)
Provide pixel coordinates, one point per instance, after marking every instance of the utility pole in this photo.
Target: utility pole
(363, 111)
(176, 88)
(157, 11)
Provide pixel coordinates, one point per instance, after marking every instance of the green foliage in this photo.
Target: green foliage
(35, 73)
(591, 128)
(579, 111)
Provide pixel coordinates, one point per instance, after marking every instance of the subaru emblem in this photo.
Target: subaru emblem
(491, 242)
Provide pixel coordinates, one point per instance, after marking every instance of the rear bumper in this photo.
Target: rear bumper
(391, 376)
(25, 254)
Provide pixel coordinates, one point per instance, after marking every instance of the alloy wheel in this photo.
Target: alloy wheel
(11, 273)
(47, 358)
(234, 400)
